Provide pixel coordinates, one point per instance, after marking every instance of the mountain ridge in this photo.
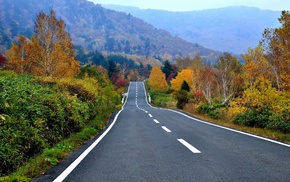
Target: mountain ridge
(231, 29)
(96, 28)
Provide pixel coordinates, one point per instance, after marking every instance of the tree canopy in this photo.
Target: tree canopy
(50, 52)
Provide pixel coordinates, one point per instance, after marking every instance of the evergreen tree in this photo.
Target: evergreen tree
(185, 86)
(167, 68)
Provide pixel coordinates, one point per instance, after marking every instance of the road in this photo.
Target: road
(151, 144)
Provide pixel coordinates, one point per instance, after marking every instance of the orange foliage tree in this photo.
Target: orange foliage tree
(157, 80)
(256, 66)
(50, 51)
(17, 56)
(277, 45)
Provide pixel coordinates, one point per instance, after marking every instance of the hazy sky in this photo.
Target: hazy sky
(189, 5)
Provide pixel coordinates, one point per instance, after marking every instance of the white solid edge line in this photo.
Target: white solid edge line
(233, 130)
(73, 165)
(166, 129)
(229, 129)
(190, 147)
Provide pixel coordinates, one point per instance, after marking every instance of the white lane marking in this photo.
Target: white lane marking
(229, 129)
(146, 111)
(190, 147)
(73, 165)
(166, 129)
(150, 115)
(156, 121)
(233, 130)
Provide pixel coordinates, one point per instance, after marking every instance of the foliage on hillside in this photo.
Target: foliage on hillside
(96, 28)
(255, 94)
(38, 112)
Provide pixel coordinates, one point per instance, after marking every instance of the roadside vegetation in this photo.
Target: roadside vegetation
(38, 113)
(253, 96)
(49, 105)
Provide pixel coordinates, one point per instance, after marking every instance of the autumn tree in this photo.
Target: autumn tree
(208, 83)
(18, 56)
(277, 45)
(197, 66)
(184, 75)
(157, 80)
(256, 65)
(229, 76)
(50, 51)
(57, 56)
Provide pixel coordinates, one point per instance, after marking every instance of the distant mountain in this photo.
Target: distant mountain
(97, 28)
(232, 29)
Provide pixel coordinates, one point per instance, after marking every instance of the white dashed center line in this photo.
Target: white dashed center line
(155, 120)
(166, 129)
(190, 147)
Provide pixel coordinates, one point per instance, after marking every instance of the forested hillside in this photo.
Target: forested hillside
(96, 28)
(232, 29)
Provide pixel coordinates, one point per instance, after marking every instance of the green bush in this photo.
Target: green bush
(214, 110)
(161, 99)
(182, 97)
(36, 113)
(254, 118)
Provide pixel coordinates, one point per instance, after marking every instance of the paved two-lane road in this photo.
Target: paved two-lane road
(150, 144)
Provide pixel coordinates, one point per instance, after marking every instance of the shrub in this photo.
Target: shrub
(182, 97)
(214, 110)
(254, 118)
(36, 113)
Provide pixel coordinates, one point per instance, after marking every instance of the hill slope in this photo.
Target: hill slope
(232, 29)
(97, 28)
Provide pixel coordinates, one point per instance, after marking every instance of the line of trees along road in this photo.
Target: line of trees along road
(254, 94)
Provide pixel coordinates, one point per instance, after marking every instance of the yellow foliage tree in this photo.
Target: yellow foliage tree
(157, 80)
(185, 75)
(256, 66)
(259, 96)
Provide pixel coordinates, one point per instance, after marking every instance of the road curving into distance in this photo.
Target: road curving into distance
(144, 143)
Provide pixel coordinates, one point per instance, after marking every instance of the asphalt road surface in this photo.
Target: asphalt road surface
(150, 144)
